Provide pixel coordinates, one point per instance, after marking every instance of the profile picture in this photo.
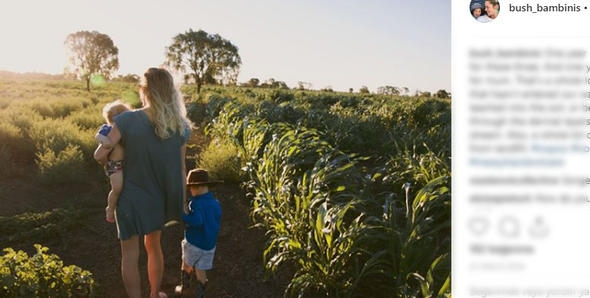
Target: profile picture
(484, 11)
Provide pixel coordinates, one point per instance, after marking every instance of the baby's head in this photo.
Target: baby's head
(476, 9)
(113, 109)
(476, 12)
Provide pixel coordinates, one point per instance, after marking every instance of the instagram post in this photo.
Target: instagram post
(520, 149)
(272, 149)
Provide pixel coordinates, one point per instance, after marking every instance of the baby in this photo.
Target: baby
(114, 165)
(476, 9)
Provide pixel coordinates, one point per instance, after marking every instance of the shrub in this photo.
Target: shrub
(14, 144)
(56, 108)
(88, 118)
(67, 166)
(221, 160)
(57, 134)
(21, 117)
(132, 98)
(196, 112)
(42, 275)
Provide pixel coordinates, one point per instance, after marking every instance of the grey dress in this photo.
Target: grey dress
(152, 176)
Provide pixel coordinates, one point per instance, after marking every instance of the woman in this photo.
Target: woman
(154, 138)
(492, 8)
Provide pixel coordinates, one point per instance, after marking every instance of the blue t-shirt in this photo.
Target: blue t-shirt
(203, 221)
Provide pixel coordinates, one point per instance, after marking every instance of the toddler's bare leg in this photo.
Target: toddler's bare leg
(201, 276)
(185, 273)
(116, 180)
(186, 267)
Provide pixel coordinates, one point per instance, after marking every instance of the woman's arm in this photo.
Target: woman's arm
(102, 151)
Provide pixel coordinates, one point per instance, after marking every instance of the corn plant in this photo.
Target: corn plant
(414, 244)
(247, 134)
(312, 221)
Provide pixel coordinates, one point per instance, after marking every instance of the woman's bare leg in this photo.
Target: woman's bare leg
(130, 266)
(155, 262)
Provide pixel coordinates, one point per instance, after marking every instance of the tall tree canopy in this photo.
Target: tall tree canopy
(209, 58)
(442, 93)
(92, 53)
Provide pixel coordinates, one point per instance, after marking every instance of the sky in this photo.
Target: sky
(327, 43)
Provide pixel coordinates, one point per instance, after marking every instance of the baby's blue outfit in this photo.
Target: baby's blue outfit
(105, 129)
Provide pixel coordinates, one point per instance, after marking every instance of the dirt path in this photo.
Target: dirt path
(238, 270)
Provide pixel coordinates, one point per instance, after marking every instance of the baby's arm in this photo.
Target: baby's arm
(102, 151)
(101, 135)
(98, 154)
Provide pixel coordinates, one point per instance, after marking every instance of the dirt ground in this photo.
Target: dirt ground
(237, 272)
(238, 268)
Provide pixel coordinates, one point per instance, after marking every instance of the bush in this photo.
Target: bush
(88, 118)
(67, 166)
(21, 117)
(221, 160)
(57, 108)
(57, 134)
(14, 144)
(42, 275)
(196, 112)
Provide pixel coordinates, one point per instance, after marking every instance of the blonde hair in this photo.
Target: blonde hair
(112, 109)
(168, 110)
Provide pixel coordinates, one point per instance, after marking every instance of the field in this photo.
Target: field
(327, 194)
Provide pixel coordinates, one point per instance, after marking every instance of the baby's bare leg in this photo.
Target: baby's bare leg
(116, 180)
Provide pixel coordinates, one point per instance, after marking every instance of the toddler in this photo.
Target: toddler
(114, 165)
(200, 235)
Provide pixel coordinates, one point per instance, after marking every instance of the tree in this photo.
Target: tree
(208, 57)
(128, 78)
(303, 85)
(388, 90)
(442, 93)
(280, 85)
(420, 93)
(253, 82)
(406, 90)
(364, 90)
(92, 53)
